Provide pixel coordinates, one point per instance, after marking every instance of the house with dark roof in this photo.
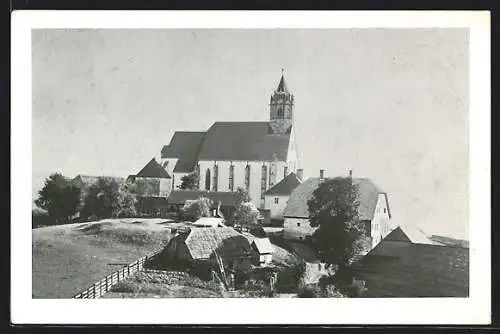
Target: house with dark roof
(153, 184)
(399, 267)
(277, 196)
(223, 202)
(252, 155)
(373, 210)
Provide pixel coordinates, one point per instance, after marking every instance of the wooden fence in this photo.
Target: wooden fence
(98, 289)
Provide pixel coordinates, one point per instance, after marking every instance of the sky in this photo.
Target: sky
(390, 104)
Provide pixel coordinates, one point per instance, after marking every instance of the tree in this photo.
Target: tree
(193, 210)
(241, 196)
(59, 197)
(102, 200)
(127, 201)
(333, 208)
(246, 216)
(189, 182)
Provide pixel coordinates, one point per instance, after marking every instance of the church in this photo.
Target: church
(252, 155)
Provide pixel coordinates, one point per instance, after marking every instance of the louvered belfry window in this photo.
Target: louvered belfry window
(216, 177)
(247, 177)
(263, 181)
(231, 177)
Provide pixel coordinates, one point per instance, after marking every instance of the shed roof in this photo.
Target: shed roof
(247, 141)
(180, 197)
(368, 196)
(263, 245)
(285, 186)
(153, 170)
(209, 221)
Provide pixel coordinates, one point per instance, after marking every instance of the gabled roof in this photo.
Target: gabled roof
(184, 146)
(252, 141)
(417, 270)
(180, 197)
(397, 235)
(153, 169)
(368, 196)
(202, 242)
(285, 186)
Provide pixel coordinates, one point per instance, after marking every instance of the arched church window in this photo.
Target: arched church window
(263, 181)
(247, 177)
(280, 112)
(231, 177)
(216, 177)
(207, 180)
(198, 175)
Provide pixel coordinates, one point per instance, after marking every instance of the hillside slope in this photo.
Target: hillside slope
(68, 258)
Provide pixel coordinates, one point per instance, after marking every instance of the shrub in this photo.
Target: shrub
(357, 288)
(124, 287)
(290, 278)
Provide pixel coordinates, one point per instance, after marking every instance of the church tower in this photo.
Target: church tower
(281, 109)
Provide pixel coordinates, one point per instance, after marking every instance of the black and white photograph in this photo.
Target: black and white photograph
(207, 163)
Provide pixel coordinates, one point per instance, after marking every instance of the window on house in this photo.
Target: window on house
(285, 171)
(207, 180)
(276, 200)
(385, 210)
(247, 177)
(263, 181)
(231, 177)
(298, 224)
(216, 176)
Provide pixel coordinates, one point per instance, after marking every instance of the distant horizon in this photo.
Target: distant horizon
(390, 104)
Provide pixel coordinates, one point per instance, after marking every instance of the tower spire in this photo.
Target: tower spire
(282, 85)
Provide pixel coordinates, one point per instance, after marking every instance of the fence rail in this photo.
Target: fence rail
(101, 287)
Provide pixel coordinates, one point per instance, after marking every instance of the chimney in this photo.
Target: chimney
(300, 174)
(350, 173)
(321, 174)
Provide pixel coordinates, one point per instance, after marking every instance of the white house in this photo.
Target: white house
(276, 197)
(373, 210)
(264, 249)
(251, 155)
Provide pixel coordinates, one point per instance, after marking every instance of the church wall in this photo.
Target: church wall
(292, 158)
(239, 176)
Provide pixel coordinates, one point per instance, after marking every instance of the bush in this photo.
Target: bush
(124, 287)
(317, 291)
(290, 278)
(357, 288)
(39, 218)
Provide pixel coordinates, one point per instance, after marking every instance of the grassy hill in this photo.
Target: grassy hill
(68, 258)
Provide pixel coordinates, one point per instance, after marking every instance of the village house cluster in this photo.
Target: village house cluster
(261, 158)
